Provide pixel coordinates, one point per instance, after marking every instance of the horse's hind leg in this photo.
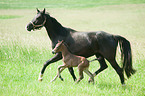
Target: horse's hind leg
(103, 66)
(118, 70)
(89, 74)
(102, 63)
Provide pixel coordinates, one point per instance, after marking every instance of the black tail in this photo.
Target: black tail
(126, 56)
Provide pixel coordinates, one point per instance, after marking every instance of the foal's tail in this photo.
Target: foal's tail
(96, 59)
(126, 55)
(93, 60)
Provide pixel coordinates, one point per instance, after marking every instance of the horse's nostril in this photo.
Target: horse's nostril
(29, 27)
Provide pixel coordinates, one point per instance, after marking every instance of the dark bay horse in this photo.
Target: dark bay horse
(101, 44)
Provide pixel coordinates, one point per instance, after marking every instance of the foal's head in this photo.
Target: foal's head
(58, 47)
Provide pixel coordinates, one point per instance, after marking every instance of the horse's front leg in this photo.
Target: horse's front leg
(72, 73)
(57, 57)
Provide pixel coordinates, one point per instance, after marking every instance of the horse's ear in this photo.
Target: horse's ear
(44, 11)
(37, 10)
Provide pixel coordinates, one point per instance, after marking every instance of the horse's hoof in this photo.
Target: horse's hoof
(40, 79)
(61, 79)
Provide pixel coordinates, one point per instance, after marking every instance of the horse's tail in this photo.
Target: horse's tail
(126, 55)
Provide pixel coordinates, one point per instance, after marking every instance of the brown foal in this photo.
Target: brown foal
(71, 60)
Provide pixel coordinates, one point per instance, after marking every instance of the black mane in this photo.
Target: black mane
(58, 27)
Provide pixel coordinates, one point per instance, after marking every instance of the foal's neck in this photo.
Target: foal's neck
(65, 51)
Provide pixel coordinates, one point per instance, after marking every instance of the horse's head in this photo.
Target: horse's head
(38, 21)
(57, 47)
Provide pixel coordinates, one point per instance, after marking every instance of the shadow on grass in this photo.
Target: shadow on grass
(113, 85)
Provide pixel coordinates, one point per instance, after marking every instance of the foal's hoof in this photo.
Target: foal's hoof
(40, 79)
(90, 80)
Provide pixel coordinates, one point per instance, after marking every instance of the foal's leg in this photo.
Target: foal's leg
(81, 76)
(60, 69)
(89, 74)
(57, 57)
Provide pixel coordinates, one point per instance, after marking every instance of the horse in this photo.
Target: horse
(101, 44)
(71, 60)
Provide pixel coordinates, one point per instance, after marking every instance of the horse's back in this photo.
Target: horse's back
(90, 43)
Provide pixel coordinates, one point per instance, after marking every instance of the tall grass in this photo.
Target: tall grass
(23, 54)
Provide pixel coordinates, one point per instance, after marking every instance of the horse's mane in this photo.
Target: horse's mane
(47, 13)
(54, 20)
(70, 29)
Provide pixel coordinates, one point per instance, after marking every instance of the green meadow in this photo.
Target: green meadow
(23, 53)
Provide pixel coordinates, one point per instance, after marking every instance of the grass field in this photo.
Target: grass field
(22, 53)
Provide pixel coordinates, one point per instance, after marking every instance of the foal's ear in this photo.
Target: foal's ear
(37, 10)
(43, 11)
(62, 41)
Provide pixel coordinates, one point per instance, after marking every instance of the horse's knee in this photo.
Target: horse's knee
(46, 64)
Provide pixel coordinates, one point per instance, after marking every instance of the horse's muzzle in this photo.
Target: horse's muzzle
(29, 27)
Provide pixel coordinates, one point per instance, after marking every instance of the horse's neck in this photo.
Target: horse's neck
(65, 52)
(55, 30)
